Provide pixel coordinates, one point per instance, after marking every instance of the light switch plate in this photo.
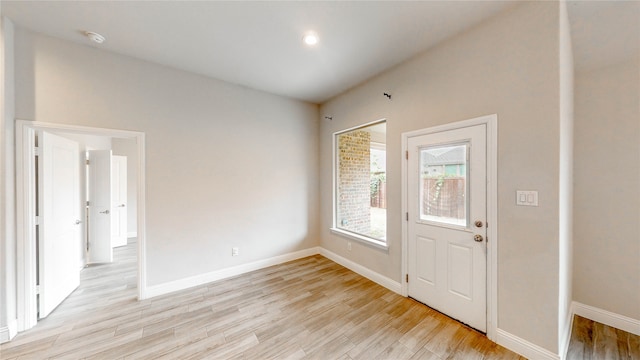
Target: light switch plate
(526, 198)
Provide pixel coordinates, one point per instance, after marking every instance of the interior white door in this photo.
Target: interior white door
(59, 230)
(446, 192)
(100, 207)
(119, 195)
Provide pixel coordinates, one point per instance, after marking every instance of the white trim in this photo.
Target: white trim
(8, 332)
(523, 347)
(378, 244)
(4, 334)
(132, 234)
(492, 225)
(565, 334)
(606, 317)
(370, 123)
(366, 272)
(334, 228)
(491, 121)
(141, 215)
(25, 228)
(196, 280)
(25, 205)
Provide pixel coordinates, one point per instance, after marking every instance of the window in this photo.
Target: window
(360, 183)
(443, 188)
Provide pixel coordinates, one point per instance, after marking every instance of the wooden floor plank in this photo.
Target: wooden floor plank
(311, 308)
(591, 340)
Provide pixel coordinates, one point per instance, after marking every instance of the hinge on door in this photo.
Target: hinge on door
(87, 161)
(36, 151)
(406, 154)
(37, 289)
(37, 220)
(407, 216)
(87, 203)
(407, 277)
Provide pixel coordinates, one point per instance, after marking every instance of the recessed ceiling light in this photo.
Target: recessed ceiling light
(95, 37)
(310, 38)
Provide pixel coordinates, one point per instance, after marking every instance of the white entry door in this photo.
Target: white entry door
(59, 230)
(119, 197)
(100, 207)
(446, 192)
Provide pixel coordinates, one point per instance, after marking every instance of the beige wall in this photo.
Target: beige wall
(509, 66)
(225, 165)
(607, 189)
(229, 166)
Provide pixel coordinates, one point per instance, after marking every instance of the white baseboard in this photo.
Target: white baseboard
(169, 287)
(366, 272)
(566, 334)
(4, 334)
(524, 347)
(8, 332)
(609, 318)
(132, 234)
(197, 280)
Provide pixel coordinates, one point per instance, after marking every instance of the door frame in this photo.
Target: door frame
(491, 123)
(118, 159)
(27, 311)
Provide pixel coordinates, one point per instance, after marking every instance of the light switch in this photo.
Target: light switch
(526, 198)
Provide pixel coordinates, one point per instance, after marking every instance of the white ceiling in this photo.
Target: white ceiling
(259, 44)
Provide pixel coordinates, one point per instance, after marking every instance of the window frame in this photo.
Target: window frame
(367, 240)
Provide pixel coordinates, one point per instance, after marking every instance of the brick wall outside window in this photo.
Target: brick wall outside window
(354, 171)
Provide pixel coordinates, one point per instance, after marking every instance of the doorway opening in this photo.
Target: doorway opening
(46, 181)
(449, 238)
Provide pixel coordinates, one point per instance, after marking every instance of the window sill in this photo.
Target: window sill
(377, 244)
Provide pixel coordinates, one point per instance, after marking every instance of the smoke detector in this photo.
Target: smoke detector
(95, 37)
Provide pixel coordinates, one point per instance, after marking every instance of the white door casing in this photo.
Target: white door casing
(26, 244)
(119, 198)
(447, 255)
(60, 234)
(100, 207)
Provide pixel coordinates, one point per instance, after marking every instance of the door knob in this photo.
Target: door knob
(478, 238)
(121, 205)
(478, 224)
(104, 212)
(78, 222)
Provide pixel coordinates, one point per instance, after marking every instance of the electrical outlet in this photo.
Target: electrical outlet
(349, 245)
(235, 251)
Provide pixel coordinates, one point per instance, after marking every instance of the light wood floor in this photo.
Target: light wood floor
(592, 341)
(306, 309)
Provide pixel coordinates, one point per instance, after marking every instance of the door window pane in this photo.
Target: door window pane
(443, 184)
